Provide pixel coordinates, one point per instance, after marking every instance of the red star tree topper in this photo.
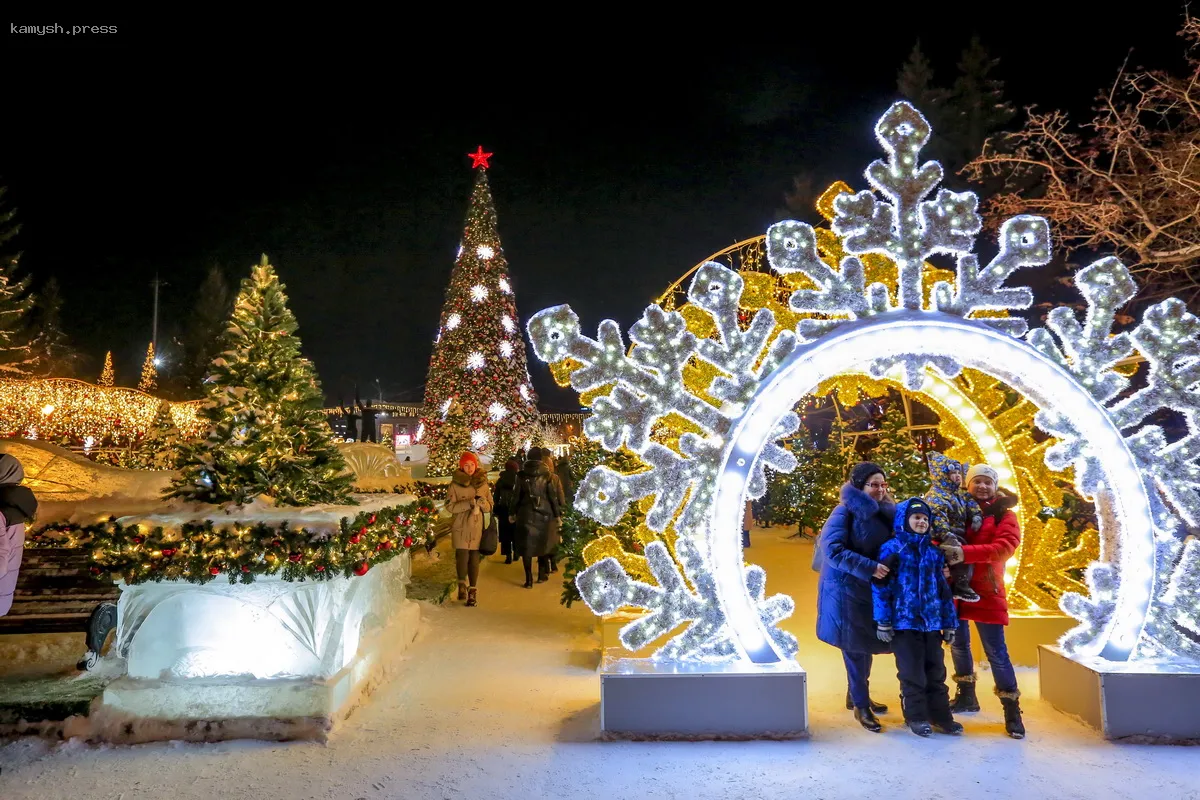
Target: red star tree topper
(479, 158)
(478, 394)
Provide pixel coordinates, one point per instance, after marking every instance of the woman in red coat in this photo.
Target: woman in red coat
(988, 549)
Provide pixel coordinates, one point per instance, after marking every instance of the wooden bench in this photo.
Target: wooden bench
(56, 593)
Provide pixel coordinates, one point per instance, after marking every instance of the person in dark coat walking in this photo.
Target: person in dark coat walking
(914, 611)
(351, 421)
(505, 496)
(535, 506)
(368, 421)
(849, 545)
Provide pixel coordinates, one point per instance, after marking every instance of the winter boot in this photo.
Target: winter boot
(508, 559)
(948, 727)
(920, 727)
(462, 590)
(1013, 724)
(878, 708)
(964, 593)
(471, 596)
(866, 718)
(965, 701)
(543, 575)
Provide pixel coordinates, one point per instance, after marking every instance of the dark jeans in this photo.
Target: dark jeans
(994, 649)
(745, 538)
(921, 668)
(858, 677)
(467, 564)
(543, 567)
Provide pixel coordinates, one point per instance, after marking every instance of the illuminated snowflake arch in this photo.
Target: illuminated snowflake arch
(1143, 603)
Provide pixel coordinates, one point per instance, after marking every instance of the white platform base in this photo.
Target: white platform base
(1152, 702)
(640, 698)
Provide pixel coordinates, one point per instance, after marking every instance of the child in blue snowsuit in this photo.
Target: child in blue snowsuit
(955, 514)
(915, 612)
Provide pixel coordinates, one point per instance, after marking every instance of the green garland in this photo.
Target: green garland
(200, 552)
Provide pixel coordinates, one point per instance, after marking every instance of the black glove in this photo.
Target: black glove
(884, 632)
(948, 636)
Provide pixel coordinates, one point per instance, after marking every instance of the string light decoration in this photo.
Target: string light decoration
(149, 380)
(106, 374)
(78, 411)
(199, 553)
(1147, 487)
(478, 357)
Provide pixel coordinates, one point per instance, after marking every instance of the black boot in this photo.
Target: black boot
(965, 700)
(878, 708)
(949, 727)
(964, 592)
(920, 728)
(866, 718)
(1013, 724)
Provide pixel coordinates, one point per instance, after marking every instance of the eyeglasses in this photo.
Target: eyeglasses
(877, 486)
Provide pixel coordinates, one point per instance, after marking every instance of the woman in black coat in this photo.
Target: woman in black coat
(535, 506)
(506, 494)
(848, 548)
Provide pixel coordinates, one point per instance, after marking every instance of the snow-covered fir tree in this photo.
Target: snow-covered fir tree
(159, 448)
(17, 357)
(269, 435)
(479, 354)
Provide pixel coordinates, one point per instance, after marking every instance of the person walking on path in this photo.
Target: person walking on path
(554, 537)
(17, 507)
(988, 549)
(848, 558)
(506, 494)
(535, 506)
(468, 498)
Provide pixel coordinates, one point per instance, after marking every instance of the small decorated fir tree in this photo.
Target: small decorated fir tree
(17, 357)
(159, 448)
(106, 375)
(897, 452)
(149, 379)
(269, 435)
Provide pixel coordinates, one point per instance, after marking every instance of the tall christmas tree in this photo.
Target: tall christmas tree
(106, 375)
(17, 357)
(149, 379)
(479, 353)
(269, 435)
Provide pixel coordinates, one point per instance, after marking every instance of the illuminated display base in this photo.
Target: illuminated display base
(643, 699)
(1124, 699)
(294, 657)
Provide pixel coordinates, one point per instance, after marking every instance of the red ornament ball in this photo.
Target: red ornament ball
(408, 541)
(355, 539)
(362, 568)
(168, 553)
(214, 571)
(371, 520)
(362, 531)
(320, 567)
(245, 568)
(295, 557)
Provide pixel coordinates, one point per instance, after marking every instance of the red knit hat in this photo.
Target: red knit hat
(465, 457)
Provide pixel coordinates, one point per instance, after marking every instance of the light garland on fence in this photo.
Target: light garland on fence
(78, 410)
(199, 553)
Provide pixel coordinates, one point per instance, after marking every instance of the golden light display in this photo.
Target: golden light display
(57, 408)
(973, 411)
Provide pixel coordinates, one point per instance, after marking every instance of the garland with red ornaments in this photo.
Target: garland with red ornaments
(201, 552)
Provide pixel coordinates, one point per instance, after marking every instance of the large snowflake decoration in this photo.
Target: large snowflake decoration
(906, 221)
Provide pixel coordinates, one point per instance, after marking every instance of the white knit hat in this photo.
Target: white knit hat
(982, 469)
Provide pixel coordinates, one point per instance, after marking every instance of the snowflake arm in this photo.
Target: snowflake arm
(792, 247)
(1169, 338)
(1024, 242)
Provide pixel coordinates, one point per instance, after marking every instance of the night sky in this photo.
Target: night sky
(618, 164)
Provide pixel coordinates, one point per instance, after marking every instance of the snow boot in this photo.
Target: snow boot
(966, 594)
(949, 727)
(1014, 726)
(462, 590)
(471, 596)
(878, 708)
(965, 701)
(920, 727)
(867, 719)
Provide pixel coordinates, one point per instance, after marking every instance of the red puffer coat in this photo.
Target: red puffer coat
(988, 549)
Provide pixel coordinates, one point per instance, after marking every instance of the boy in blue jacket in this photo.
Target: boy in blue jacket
(914, 611)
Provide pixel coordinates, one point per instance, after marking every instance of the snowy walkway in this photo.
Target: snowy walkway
(502, 701)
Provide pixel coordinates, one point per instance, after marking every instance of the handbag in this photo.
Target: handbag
(490, 540)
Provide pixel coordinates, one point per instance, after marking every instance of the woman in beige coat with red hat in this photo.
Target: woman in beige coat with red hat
(468, 498)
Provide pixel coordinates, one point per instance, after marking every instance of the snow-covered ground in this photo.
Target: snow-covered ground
(502, 701)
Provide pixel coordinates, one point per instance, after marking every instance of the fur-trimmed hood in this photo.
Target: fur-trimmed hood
(478, 478)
